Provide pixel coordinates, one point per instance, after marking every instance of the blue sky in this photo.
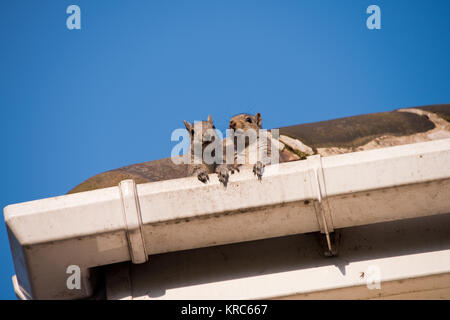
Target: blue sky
(74, 103)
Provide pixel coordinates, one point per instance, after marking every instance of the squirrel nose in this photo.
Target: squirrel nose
(232, 125)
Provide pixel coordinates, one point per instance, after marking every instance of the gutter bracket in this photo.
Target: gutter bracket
(133, 221)
(322, 206)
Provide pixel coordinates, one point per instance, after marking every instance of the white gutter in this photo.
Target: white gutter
(130, 222)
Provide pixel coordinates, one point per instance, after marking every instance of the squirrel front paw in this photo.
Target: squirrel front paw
(203, 176)
(258, 169)
(223, 175)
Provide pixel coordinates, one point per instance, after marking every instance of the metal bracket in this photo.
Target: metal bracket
(133, 221)
(322, 206)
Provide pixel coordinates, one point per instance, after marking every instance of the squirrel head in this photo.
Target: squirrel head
(245, 122)
(203, 132)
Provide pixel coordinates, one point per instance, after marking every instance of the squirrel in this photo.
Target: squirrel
(202, 134)
(240, 126)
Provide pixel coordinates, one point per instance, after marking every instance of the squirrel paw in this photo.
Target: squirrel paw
(203, 176)
(223, 176)
(258, 169)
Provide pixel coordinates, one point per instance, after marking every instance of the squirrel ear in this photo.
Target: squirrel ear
(210, 119)
(188, 126)
(258, 119)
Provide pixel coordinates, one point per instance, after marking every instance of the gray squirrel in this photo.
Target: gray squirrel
(260, 149)
(241, 125)
(202, 134)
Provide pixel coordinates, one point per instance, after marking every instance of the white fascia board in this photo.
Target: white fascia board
(325, 282)
(403, 256)
(90, 229)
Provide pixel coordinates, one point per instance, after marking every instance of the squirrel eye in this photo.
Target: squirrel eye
(249, 120)
(192, 131)
(214, 127)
